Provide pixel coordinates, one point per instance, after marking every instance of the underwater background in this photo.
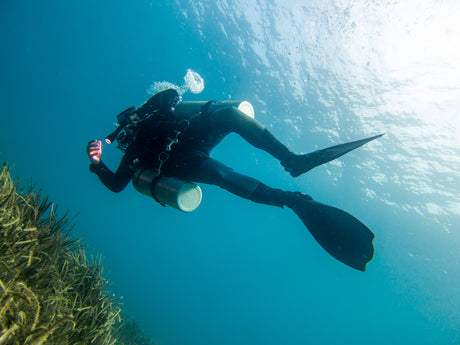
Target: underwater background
(318, 73)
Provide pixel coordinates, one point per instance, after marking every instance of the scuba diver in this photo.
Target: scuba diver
(157, 137)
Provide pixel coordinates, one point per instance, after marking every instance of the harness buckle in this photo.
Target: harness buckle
(163, 156)
(173, 141)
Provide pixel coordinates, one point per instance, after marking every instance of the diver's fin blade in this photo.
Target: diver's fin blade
(330, 153)
(305, 163)
(339, 233)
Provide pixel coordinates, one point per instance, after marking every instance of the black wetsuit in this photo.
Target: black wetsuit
(342, 235)
(190, 159)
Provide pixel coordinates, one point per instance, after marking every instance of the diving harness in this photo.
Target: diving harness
(184, 196)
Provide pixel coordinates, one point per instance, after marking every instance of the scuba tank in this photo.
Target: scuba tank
(188, 110)
(183, 196)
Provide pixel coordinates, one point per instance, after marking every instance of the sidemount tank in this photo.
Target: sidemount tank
(186, 110)
(184, 196)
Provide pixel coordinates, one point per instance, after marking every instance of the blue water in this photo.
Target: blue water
(318, 73)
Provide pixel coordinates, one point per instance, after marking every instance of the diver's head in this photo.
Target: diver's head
(162, 102)
(168, 100)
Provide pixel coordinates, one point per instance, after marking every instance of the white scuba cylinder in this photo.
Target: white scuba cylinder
(184, 196)
(187, 110)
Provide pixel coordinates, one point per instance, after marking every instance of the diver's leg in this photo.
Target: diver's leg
(215, 173)
(232, 120)
(339, 233)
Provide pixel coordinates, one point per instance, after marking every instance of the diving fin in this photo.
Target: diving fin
(300, 164)
(339, 233)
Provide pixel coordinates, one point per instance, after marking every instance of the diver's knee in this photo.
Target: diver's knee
(233, 120)
(214, 171)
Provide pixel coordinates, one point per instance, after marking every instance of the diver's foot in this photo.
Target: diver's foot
(294, 199)
(297, 165)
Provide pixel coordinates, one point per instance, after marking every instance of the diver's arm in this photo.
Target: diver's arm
(117, 181)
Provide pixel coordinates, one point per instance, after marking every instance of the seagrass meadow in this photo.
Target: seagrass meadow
(50, 292)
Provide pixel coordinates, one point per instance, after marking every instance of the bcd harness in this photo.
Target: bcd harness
(183, 125)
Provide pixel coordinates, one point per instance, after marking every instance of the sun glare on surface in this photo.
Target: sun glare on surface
(419, 56)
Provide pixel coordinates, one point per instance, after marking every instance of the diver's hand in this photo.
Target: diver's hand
(94, 151)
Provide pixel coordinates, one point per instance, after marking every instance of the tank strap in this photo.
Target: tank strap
(152, 191)
(182, 126)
